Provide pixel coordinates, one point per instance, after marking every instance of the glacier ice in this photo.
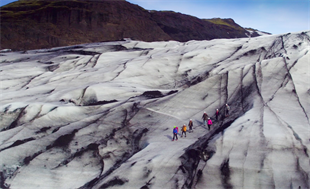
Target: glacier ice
(101, 115)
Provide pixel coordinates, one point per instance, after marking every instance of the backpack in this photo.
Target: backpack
(184, 128)
(209, 122)
(175, 130)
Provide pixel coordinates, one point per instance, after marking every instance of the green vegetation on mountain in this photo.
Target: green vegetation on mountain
(226, 22)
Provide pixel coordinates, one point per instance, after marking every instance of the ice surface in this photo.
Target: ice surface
(101, 115)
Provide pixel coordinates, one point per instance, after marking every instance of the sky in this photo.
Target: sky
(273, 16)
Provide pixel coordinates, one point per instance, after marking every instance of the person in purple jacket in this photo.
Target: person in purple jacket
(175, 133)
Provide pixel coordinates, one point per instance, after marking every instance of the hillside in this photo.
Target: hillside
(101, 115)
(36, 24)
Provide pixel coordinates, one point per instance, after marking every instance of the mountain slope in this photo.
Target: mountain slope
(39, 24)
(101, 115)
(42, 24)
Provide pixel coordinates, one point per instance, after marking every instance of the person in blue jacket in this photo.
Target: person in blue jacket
(175, 133)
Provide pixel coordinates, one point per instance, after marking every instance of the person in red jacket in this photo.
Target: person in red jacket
(190, 125)
(217, 113)
(209, 123)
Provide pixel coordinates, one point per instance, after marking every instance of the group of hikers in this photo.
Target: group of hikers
(206, 121)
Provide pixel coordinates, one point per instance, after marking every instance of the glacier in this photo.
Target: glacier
(101, 115)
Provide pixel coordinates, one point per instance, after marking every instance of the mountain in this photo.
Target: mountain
(101, 115)
(36, 24)
(260, 33)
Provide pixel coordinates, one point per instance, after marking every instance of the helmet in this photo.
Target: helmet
(174, 127)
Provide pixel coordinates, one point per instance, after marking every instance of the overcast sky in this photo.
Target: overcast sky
(273, 16)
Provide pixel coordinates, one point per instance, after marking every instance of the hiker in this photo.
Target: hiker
(205, 118)
(183, 130)
(217, 113)
(190, 125)
(209, 123)
(227, 110)
(175, 133)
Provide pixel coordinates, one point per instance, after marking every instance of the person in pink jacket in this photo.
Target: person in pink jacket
(209, 123)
